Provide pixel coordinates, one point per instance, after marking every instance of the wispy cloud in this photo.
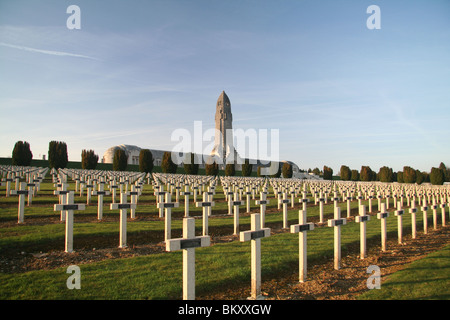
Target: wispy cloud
(50, 52)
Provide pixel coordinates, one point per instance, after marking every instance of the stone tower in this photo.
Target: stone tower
(223, 142)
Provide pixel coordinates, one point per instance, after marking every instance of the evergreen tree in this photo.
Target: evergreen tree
(286, 169)
(355, 175)
(247, 168)
(366, 174)
(21, 154)
(212, 169)
(89, 159)
(230, 170)
(145, 161)
(419, 177)
(446, 172)
(120, 160)
(278, 174)
(57, 154)
(437, 176)
(400, 177)
(345, 173)
(386, 174)
(327, 173)
(409, 175)
(190, 165)
(167, 165)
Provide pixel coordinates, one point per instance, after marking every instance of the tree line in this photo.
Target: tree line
(437, 175)
(58, 158)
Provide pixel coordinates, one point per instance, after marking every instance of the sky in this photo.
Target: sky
(338, 92)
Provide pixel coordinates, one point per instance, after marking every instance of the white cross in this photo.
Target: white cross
(100, 193)
(62, 192)
(113, 186)
(399, 214)
(69, 207)
(434, 208)
(167, 206)
(255, 236)
(30, 192)
(304, 201)
(248, 193)
(21, 193)
(134, 197)
(382, 215)
(8, 181)
(262, 203)
(349, 199)
(442, 205)
(301, 229)
(370, 202)
(424, 209)
(230, 202)
(89, 187)
(236, 203)
(160, 199)
(413, 211)
(321, 203)
(337, 222)
(188, 244)
(122, 206)
(206, 206)
(285, 202)
(362, 219)
(186, 195)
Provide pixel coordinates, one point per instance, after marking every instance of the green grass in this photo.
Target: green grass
(424, 279)
(158, 276)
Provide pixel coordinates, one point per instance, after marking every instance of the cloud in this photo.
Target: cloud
(50, 52)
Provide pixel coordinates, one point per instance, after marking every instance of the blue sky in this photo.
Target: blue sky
(338, 92)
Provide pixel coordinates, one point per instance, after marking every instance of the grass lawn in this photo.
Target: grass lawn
(424, 279)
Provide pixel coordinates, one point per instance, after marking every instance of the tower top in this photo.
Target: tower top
(223, 100)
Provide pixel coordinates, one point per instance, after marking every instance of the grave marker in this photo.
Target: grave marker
(424, 209)
(186, 195)
(100, 193)
(285, 203)
(337, 222)
(399, 214)
(69, 207)
(21, 193)
(262, 203)
(301, 229)
(122, 206)
(188, 244)
(167, 206)
(362, 219)
(382, 215)
(62, 193)
(236, 204)
(205, 205)
(134, 196)
(255, 236)
(434, 208)
(413, 211)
